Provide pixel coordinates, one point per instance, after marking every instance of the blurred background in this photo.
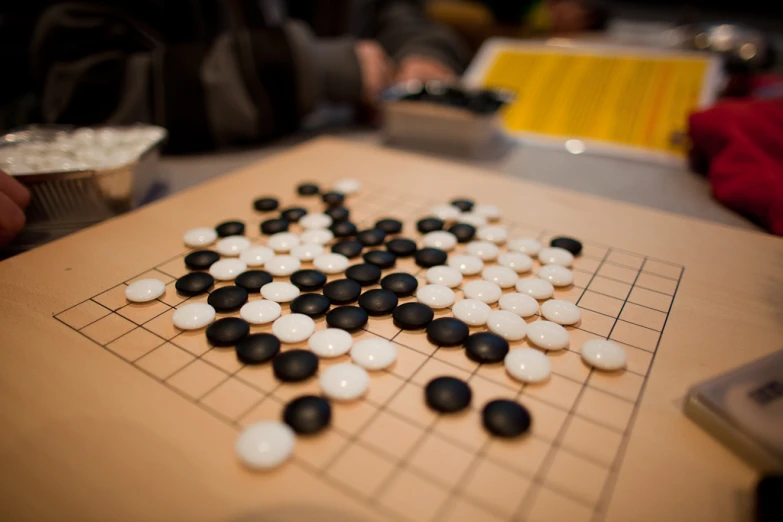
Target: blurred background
(229, 82)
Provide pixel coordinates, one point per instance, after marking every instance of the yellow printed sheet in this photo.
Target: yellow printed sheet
(640, 101)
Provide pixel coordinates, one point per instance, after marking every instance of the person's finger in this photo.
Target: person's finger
(11, 219)
(17, 192)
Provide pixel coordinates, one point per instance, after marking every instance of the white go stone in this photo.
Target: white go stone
(444, 275)
(265, 445)
(604, 355)
(506, 324)
(561, 312)
(311, 221)
(307, 251)
(485, 291)
(256, 256)
(556, 256)
(374, 354)
(260, 311)
(502, 276)
(491, 212)
(525, 245)
(293, 328)
(494, 233)
(445, 212)
(466, 264)
(320, 236)
(484, 250)
(199, 237)
(344, 381)
(283, 241)
(440, 239)
(283, 265)
(332, 342)
(227, 269)
(279, 292)
(516, 261)
(535, 288)
(232, 246)
(521, 304)
(347, 186)
(144, 290)
(471, 311)
(528, 365)
(472, 219)
(548, 335)
(331, 263)
(192, 316)
(557, 275)
(436, 296)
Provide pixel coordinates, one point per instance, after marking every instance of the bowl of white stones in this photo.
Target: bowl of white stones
(78, 176)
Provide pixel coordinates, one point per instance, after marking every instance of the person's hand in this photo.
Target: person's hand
(423, 69)
(376, 67)
(14, 198)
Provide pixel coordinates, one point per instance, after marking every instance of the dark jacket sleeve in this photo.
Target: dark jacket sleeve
(403, 29)
(97, 65)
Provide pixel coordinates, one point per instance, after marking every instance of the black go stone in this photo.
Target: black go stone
(257, 348)
(308, 414)
(338, 213)
(400, 283)
(342, 291)
(447, 394)
(307, 189)
(333, 199)
(464, 205)
(401, 247)
(463, 232)
(486, 347)
(266, 204)
(227, 331)
(378, 301)
(194, 283)
(505, 418)
(230, 228)
(293, 214)
(348, 318)
(343, 229)
(227, 298)
(295, 365)
(570, 244)
(253, 280)
(308, 279)
(428, 257)
(311, 305)
(412, 316)
(371, 237)
(273, 226)
(389, 225)
(365, 274)
(349, 248)
(201, 259)
(447, 331)
(429, 224)
(380, 258)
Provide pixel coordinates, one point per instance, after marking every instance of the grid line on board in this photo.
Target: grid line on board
(402, 464)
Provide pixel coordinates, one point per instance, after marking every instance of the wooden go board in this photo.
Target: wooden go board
(110, 413)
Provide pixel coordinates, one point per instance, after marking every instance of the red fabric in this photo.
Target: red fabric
(741, 143)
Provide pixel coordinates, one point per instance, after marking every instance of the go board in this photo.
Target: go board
(113, 413)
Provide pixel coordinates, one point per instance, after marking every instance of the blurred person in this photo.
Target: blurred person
(14, 198)
(231, 72)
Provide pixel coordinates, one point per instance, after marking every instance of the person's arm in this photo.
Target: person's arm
(422, 48)
(97, 65)
(14, 198)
